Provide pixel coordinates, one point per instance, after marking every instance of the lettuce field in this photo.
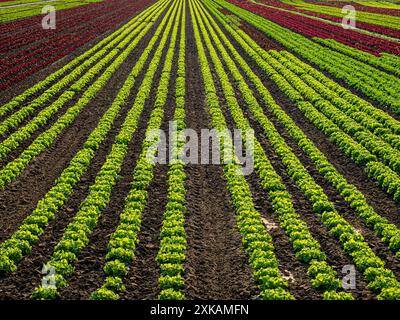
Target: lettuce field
(86, 212)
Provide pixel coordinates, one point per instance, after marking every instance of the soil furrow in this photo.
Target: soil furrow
(142, 280)
(217, 266)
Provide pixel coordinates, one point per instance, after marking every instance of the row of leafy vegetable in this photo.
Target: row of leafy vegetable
(87, 58)
(172, 253)
(307, 249)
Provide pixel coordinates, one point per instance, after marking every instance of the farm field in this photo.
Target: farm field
(14, 10)
(105, 193)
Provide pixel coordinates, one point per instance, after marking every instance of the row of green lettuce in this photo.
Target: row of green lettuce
(78, 231)
(256, 239)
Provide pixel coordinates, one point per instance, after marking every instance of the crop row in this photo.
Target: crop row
(376, 7)
(20, 243)
(81, 72)
(171, 256)
(317, 28)
(337, 109)
(373, 129)
(387, 31)
(314, 86)
(391, 59)
(362, 56)
(13, 28)
(353, 243)
(15, 13)
(84, 60)
(297, 91)
(350, 103)
(377, 25)
(332, 13)
(17, 34)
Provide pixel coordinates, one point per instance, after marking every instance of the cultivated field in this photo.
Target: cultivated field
(86, 212)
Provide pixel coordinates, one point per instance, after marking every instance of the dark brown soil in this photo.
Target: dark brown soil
(142, 279)
(294, 271)
(265, 42)
(216, 266)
